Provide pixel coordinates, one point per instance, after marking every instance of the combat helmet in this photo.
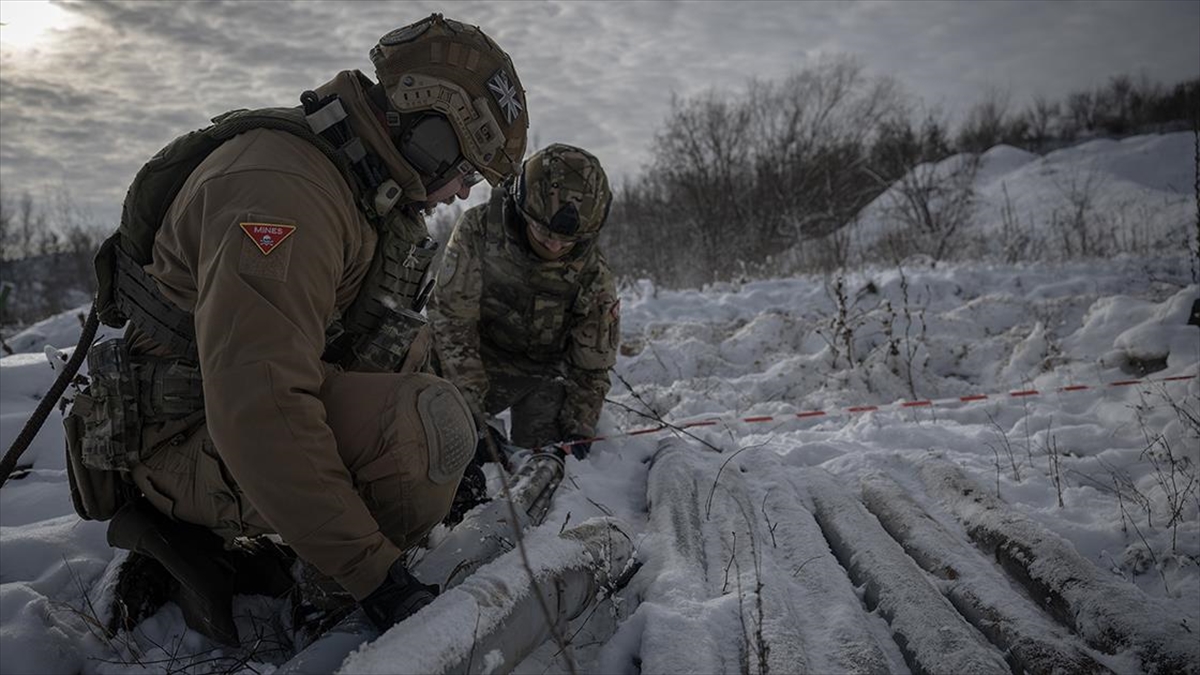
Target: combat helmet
(443, 66)
(564, 190)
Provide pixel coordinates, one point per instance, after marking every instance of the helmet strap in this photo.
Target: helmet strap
(328, 119)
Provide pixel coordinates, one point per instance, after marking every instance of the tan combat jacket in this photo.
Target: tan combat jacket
(265, 246)
(559, 318)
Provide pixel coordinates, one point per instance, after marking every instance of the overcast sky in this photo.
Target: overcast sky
(90, 90)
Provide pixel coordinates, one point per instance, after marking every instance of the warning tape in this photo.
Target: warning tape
(858, 409)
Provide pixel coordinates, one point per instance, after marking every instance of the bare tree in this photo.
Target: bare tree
(986, 123)
(1040, 117)
(47, 250)
(738, 177)
(23, 230)
(1082, 108)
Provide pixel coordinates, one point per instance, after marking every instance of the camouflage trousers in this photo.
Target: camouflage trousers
(534, 392)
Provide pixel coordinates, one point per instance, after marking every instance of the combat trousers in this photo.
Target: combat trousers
(534, 392)
(384, 441)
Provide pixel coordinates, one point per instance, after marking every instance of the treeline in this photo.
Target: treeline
(1123, 106)
(739, 180)
(46, 253)
(745, 184)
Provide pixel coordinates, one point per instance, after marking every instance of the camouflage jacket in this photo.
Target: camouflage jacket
(558, 318)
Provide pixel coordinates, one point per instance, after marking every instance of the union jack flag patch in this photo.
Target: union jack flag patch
(506, 95)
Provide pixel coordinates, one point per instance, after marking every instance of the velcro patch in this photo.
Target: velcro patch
(267, 236)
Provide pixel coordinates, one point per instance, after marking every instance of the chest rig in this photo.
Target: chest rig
(374, 332)
(527, 303)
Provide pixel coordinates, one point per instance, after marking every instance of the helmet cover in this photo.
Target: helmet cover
(453, 68)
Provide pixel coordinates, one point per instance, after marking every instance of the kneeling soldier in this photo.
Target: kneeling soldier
(273, 269)
(525, 314)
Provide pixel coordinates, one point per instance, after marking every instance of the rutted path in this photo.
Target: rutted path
(767, 568)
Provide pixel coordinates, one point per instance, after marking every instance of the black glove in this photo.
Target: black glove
(579, 448)
(472, 491)
(492, 440)
(400, 596)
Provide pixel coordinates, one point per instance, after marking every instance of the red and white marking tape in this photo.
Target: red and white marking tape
(858, 409)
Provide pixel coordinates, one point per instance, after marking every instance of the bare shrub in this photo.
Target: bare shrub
(1075, 222)
(931, 204)
(1015, 240)
(1008, 451)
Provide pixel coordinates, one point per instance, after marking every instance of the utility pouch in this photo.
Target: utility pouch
(112, 428)
(386, 349)
(96, 494)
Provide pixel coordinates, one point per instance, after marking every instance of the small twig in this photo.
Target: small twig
(732, 559)
(654, 415)
(762, 649)
(1008, 449)
(603, 509)
(1153, 558)
(997, 464)
(713, 490)
(744, 656)
(474, 641)
(770, 527)
(796, 572)
(636, 396)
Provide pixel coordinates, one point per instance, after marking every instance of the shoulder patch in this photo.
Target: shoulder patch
(267, 236)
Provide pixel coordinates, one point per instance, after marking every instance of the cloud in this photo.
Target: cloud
(88, 106)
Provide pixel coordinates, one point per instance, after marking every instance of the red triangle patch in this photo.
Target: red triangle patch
(267, 236)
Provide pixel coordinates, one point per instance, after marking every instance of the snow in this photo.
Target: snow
(773, 348)
(1136, 194)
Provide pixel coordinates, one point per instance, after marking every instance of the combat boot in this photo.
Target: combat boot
(194, 557)
(261, 567)
(400, 596)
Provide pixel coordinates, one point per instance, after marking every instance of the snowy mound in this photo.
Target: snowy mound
(1101, 197)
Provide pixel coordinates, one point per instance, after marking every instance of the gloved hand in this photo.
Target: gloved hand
(472, 491)
(491, 445)
(579, 450)
(399, 597)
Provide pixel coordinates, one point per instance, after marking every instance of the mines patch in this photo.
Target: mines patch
(266, 236)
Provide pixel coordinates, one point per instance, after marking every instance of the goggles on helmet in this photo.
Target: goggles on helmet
(432, 147)
(543, 231)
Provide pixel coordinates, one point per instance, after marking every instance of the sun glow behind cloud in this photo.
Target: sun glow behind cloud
(27, 23)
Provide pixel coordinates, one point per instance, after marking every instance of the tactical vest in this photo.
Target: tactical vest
(375, 331)
(527, 303)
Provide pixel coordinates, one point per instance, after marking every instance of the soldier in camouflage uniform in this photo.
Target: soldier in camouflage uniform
(525, 314)
(281, 267)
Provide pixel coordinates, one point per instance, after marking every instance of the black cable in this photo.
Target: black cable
(9, 463)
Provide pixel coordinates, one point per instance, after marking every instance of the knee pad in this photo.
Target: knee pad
(449, 430)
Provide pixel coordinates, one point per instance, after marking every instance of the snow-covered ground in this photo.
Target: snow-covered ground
(1113, 470)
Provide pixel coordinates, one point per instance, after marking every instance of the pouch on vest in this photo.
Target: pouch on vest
(386, 349)
(96, 494)
(112, 428)
(103, 433)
